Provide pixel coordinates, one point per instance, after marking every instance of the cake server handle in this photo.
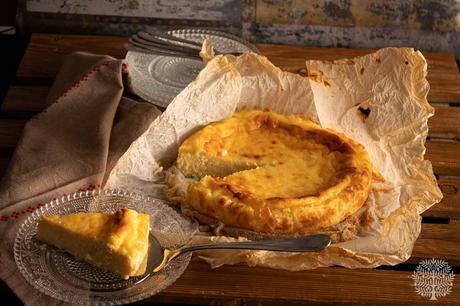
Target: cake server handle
(312, 243)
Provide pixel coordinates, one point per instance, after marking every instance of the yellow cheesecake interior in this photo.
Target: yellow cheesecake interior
(117, 242)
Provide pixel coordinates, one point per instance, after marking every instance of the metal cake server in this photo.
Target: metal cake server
(160, 256)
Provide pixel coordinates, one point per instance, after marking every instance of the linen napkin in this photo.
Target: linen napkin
(68, 147)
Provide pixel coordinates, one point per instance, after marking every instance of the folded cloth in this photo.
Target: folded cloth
(68, 147)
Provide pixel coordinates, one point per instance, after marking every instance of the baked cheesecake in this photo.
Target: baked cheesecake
(117, 242)
(276, 174)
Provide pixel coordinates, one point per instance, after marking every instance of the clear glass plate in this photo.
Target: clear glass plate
(61, 276)
(159, 79)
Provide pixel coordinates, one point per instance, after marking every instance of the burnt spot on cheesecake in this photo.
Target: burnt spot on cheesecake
(222, 201)
(121, 221)
(237, 191)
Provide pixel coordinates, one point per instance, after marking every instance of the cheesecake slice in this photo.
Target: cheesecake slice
(117, 242)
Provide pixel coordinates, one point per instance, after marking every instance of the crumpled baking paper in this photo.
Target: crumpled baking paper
(377, 99)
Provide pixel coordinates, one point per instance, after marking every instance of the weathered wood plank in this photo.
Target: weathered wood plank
(46, 52)
(25, 98)
(444, 88)
(446, 122)
(444, 156)
(449, 207)
(239, 284)
(242, 285)
(440, 241)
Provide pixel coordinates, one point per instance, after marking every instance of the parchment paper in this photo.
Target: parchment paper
(378, 99)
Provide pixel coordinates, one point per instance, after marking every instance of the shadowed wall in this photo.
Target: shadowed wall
(431, 25)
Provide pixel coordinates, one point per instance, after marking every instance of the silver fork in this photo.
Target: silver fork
(157, 42)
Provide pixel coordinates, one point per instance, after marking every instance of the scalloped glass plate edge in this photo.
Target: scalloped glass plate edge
(28, 227)
(143, 84)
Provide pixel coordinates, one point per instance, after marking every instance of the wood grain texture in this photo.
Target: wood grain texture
(446, 122)
(449, 207)
(445, 157)
(25, 98)
(242, 285)
(440, 241)
(46, 52)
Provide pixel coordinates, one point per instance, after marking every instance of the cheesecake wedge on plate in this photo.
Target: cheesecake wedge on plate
(117, 242)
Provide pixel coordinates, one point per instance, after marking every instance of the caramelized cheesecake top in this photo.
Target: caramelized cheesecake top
(268, 172)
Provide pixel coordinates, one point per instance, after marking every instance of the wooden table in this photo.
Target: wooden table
(239, 284)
